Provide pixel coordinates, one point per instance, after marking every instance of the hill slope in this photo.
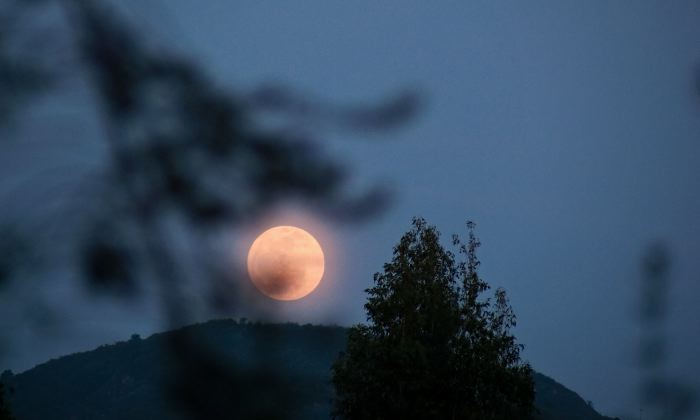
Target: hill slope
(125, 380)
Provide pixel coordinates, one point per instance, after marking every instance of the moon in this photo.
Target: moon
(285, 263)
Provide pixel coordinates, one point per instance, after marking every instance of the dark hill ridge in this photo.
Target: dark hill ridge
(124, 380)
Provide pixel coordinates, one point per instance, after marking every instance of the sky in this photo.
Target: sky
(568, 131)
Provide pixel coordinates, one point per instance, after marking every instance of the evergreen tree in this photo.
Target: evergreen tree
(433, 347)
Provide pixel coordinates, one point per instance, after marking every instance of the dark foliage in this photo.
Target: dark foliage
(125, 380)
(5, 413)
(433, 348)
(186, 156)
(662, 395)
(23, 72)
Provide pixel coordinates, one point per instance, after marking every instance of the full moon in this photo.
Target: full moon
(285, 263)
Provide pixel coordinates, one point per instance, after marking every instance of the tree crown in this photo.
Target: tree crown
(434, 346)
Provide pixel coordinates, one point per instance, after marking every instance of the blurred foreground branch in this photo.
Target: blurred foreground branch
(187, 157)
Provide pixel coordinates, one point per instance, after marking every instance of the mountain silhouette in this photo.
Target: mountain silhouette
(129, 379)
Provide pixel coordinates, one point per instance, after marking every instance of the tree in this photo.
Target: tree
(5, 413)
(433, 347)
(183, 157)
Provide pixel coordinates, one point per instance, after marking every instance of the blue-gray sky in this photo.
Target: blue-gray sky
(569, 131)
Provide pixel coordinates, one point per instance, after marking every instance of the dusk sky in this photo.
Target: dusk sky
(568, 131)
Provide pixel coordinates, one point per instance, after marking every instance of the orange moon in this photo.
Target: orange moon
(285, 263)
